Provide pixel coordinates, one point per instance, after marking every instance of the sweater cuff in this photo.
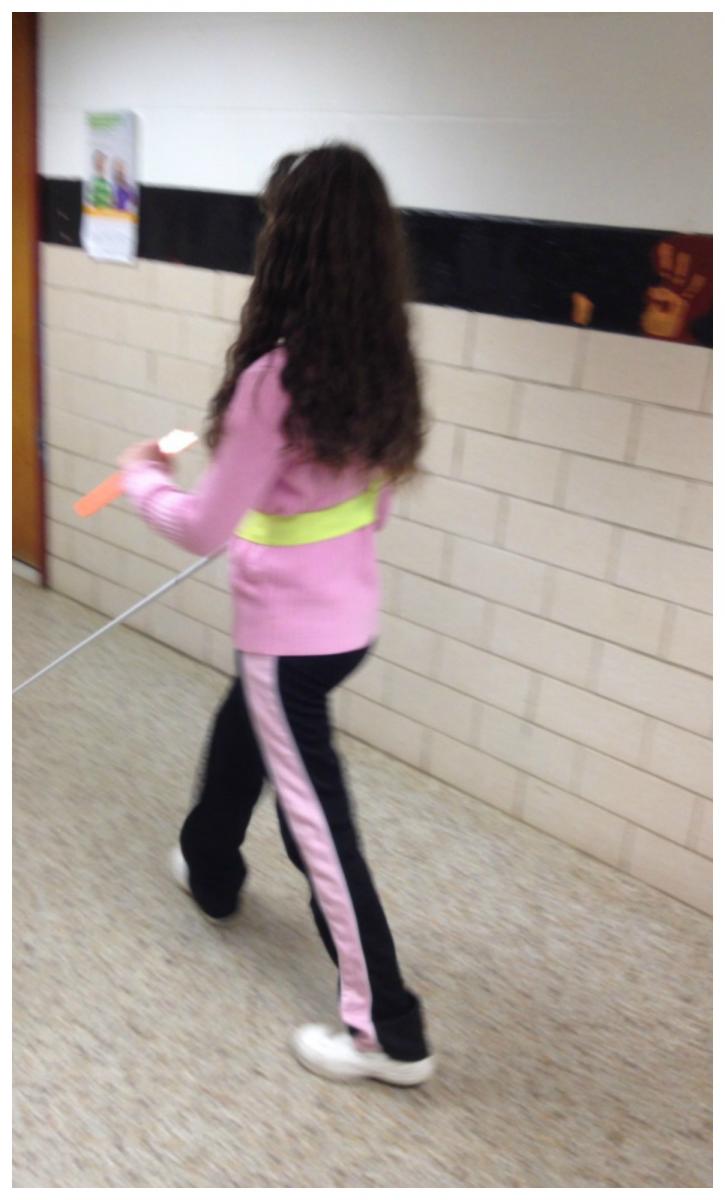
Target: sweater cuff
(143, 478)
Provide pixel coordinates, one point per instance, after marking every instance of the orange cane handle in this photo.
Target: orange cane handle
(104, 494)
(171, 444)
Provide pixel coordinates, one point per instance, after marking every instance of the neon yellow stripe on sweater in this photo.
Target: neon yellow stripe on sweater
(302, 529)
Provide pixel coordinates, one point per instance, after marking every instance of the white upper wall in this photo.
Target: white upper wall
(593, 117)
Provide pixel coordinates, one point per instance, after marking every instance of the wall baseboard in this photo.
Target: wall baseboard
(23, 571)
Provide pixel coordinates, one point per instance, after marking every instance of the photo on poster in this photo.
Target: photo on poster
(109, 227)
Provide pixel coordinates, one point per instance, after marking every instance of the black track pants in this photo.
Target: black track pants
(274, 724)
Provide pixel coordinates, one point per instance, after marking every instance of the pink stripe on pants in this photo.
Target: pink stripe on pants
(306, 819)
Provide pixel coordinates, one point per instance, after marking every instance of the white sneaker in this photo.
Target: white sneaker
(179, 869)
(336, 1056)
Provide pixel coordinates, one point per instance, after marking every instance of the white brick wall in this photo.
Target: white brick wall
(546, 638)
(660, 567)
(644, 369)
(572, 420)
(524, 349)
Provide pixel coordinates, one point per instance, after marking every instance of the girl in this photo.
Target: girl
(318, 415)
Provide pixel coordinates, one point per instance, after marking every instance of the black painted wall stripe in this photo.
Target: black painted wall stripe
(498, 265)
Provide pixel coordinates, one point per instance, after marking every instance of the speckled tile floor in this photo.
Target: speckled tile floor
(569, 1005)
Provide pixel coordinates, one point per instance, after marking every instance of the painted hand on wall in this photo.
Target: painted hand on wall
(668, 304)
(675, 300)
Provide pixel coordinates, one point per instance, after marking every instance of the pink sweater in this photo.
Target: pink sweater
(315, 599)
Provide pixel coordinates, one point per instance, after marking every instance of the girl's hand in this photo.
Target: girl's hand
(145, 452)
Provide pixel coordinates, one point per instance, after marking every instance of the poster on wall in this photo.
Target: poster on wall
(109, 224)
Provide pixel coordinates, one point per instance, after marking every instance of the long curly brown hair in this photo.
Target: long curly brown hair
(331, 282)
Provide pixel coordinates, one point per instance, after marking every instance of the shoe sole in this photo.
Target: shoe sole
(416, 1075)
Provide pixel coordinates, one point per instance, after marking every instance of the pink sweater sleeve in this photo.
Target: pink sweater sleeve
(244, 465)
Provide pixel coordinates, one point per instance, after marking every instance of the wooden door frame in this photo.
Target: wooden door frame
(33, 24)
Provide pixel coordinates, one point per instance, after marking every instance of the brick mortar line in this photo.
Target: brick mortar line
(544, 675)
(573, 512)
(135, 629)
(634, 427)
(456, 590)
(567, 513)
(530, 775)
(515, 816)
(566, 456)
(489, 491)
(606, 524)
(543, 563)
(581, 352)
(217, 273)
(477, 700)
(530, 721)
(695, 826)
(520, 379)
(505, 437)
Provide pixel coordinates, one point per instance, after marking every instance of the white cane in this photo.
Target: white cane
(171, 444)
(166, 587)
